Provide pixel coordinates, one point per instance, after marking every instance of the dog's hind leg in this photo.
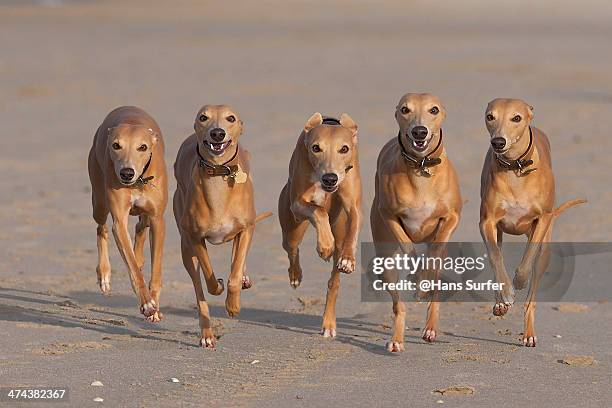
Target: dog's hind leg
(293, 233)
(529, 336)
(207, 338)
(241, 245)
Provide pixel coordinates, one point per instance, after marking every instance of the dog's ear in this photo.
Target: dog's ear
(530, 111)
(315, 120)
(348, 122)
(154, 135)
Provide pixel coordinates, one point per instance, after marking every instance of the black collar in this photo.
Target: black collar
(218, 169)
(421, 164)
(145, 180)
(519, 164)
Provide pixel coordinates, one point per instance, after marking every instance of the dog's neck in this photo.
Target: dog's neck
(421, 163)
(521, 157)
(213, 169)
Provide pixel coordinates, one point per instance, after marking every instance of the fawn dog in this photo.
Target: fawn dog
(214, 202)
(128, 177)
(324, 189)
(518, 197)
(417, 198)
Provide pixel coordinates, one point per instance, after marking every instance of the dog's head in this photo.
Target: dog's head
(217, 127)
(130, 148)
(507, 121)
(419, 117)
(332, 148)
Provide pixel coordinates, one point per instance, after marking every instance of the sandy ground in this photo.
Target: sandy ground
(63, 66)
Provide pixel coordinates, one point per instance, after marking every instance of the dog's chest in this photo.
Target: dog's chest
(218, 233)
(138, 201)
(515, 211)
(414, 217)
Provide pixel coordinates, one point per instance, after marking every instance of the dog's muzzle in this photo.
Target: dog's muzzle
(418, 137)
(329, 182)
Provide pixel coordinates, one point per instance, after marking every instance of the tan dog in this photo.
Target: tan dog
(214, 202)
(518, 197)
(324, 188)
(128, 177)
(417, 197)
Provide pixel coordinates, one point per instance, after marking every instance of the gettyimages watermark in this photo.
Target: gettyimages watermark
(463, 272)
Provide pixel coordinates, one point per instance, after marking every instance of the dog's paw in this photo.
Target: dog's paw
(500, 309)
(246, 282)
(208, 342)
(346, 263)
(219, 289)
(530, 341)
(325, 251)
(155, 317)
(149, 308)
(395, 346)
(329, 333)
(429, 335)
(105, 286)
(232, 304)
(295, 276)
(520, 280)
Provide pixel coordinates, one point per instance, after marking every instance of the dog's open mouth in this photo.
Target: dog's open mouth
(329, 189)
(419, 145)
(217, 148)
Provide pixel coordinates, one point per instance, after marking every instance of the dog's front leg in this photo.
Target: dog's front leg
(346, 261)
(503, 298)
(241, 245)
(214, 285)
(319, 218)
(536, 236)
(157, 233)
(148, 307)
(437, 249)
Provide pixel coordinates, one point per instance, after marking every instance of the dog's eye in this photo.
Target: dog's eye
(344, 149)
(142, 148)
(517, 118)
(405, 110)
(435, 110)
(231, 118)
(203, 118)
(116, 146)
(316, 148)
(490, 117)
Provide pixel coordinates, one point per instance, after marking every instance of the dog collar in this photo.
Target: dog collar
(218, 169)
(421, 164)
(145, 180)
(519, 165)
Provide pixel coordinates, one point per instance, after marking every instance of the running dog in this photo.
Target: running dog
(214, 202)
(417, 199)
(518, 197)
(323, 189)
(128, 177)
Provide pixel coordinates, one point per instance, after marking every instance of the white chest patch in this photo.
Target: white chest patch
(137, 199)
(218, 234)
(514, 211)
(413, 218)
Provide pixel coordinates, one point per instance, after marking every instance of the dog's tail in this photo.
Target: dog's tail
(568, 204)
(262, 216)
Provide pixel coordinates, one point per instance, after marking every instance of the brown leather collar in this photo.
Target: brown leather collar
(421, 164)
(145, 180)
(214, 170)
(519, 165)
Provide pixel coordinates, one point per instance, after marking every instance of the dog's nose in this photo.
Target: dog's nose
(419, 132)
(126, 174)
(498, 143)
(329, 179)
(217, 134)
